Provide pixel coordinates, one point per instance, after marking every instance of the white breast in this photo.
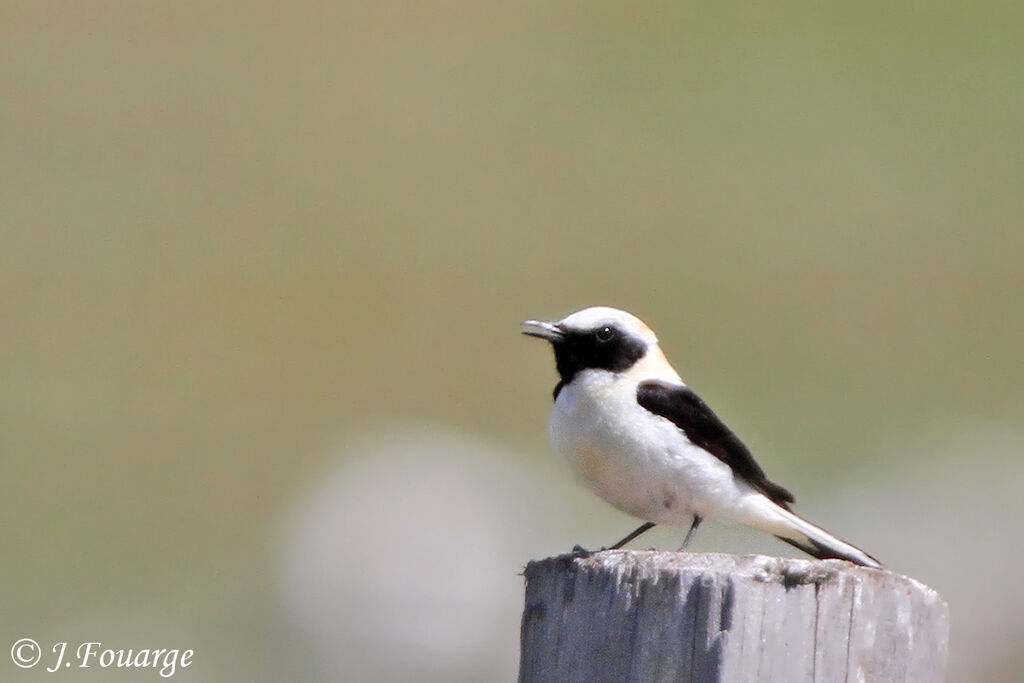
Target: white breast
(640, 463)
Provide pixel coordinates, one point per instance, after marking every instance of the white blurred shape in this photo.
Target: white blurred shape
(401, 562)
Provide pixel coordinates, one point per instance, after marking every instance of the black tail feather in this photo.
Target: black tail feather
(823, 552)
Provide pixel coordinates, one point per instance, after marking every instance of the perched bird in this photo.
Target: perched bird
(646, 443)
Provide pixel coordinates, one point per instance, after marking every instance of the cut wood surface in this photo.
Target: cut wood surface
(625, 615)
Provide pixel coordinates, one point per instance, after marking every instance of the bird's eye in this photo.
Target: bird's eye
(605, 334)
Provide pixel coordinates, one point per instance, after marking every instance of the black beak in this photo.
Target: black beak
(550, 331)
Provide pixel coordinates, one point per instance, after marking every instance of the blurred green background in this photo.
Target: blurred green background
(245, 245)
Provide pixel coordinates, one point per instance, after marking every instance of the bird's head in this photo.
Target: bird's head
(598, 338)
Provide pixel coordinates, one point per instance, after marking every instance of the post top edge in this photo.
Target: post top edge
(790, 572)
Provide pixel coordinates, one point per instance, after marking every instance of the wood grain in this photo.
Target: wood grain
(625, 615)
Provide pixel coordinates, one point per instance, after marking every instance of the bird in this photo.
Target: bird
(646, 443)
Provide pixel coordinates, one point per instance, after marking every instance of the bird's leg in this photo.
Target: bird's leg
(697, 519)
(639, 530)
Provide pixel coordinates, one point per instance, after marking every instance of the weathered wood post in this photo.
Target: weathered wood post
(623, 615)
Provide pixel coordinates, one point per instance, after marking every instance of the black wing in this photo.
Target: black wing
(701, 426)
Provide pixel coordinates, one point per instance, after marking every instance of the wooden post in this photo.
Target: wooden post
(624, 615)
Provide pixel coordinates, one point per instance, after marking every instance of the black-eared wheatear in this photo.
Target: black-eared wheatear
(646, 443)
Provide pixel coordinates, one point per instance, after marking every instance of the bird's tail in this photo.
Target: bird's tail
(813, 540)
